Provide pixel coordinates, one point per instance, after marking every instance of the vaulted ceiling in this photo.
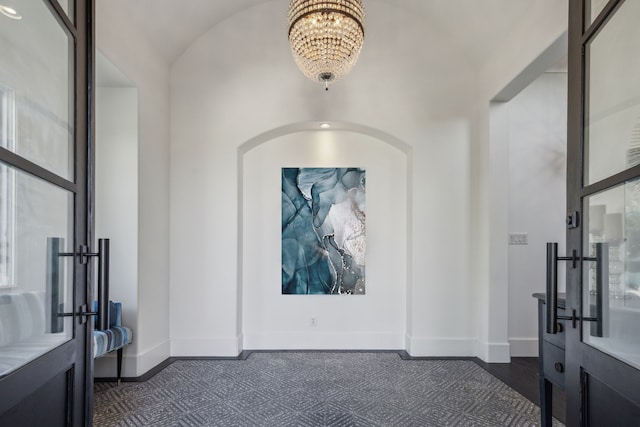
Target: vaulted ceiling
(476, 26)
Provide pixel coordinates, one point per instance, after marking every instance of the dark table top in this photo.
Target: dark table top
(562, 298)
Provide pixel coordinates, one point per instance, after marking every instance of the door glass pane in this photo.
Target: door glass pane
(36, 281)
(612, 296)
(594, 7)
(612, 119)
(36, 78)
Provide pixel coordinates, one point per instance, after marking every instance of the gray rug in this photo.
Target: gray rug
(315, 389)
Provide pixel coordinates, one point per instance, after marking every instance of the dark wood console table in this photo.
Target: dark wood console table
(551, 360)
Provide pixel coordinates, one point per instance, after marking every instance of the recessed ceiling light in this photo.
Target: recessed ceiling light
(10, 12)
(325, 125)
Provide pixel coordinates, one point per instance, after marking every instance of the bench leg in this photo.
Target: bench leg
(119, 364)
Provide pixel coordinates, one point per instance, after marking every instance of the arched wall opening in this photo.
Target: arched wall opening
(376, 320)
(221, 105)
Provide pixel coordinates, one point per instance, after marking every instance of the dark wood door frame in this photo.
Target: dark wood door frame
(583, 361)
(71, 362)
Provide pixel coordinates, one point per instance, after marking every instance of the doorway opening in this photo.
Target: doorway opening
(116, 195)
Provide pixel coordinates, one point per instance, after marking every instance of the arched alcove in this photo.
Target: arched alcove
(270, 320)
(223, 98)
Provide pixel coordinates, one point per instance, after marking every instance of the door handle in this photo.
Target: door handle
(552, 285)
(102, 322)
(598, 328)
(54, 284)
(82, 313)
(602, 280)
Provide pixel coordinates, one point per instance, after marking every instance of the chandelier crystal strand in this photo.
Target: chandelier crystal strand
(326, 37)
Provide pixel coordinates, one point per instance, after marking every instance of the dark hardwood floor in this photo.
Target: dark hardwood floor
(522, 375)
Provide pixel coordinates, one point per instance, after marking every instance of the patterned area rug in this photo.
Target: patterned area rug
(315, 389)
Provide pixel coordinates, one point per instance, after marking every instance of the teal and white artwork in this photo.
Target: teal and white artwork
(323, 231)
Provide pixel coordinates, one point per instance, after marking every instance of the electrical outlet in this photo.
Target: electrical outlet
(518, 238)
(314, 321)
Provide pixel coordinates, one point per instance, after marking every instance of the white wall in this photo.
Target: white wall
(122, 43)
(411, 84)
(537, 132)
(524, 55)
(116, 203)
(375, 320)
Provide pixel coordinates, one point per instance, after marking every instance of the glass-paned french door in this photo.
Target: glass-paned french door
(603, 296)
(45, 193)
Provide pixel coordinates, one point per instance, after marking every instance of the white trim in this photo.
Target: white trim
(524, 347)
(324, 341)
(439, 347)
(150, 358)
(105, 366)
(133, 365)
(548, 58)
(206, 347)
(8, 203)
(493, 352)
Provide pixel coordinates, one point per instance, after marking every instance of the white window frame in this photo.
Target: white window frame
(7, 190)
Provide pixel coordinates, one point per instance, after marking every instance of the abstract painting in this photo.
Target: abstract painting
(323, 231)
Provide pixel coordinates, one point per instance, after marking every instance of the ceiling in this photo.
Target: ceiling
(477, 26)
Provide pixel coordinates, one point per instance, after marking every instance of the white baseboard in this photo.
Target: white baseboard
(206, 347)
(524, 347)
(323, 341)
(493, 352)
(133, 365)
(106, 366)
(152, 357)
(439, 347)
(137, 365)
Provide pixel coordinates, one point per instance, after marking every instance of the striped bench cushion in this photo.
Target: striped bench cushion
(110, 339)
(116, 336)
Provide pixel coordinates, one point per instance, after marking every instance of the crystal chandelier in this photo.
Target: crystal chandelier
(326, 37)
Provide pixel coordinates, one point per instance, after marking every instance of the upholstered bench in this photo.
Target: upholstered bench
(23, 335)
(22, 329)
(114, 338)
